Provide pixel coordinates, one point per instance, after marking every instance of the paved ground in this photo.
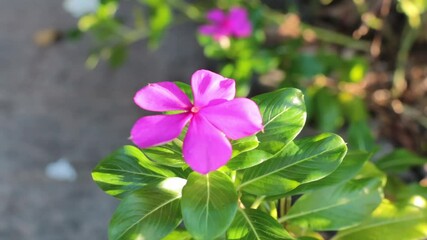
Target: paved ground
(52, 107)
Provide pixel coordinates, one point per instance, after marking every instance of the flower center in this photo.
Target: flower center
(194, 109)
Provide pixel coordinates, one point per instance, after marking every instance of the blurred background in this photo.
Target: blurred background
(52, 107)
(69, 70)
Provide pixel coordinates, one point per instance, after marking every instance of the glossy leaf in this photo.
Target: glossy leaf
(251, 224)
(209, 204)
(151, 212)
(349, 167)
(169, 154)
(336, 207)
(178, 235)
(244, 145)
(284, 116)
(399, 161)
(390, 221)
(302, 161)
(125, 170)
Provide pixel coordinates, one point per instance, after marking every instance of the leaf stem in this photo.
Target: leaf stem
(233, 176)
(273, 209)
(324, 35)
(410, 34)
(257, 202)
(285, 205)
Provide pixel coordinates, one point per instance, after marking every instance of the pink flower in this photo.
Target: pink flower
(214, 117)
(233, 24)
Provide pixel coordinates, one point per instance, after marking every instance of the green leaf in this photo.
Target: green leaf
(125, 170)
(302, 161)
(309, 65)
(328, 110)
(118, 55)
(253, 224)
(360, 136)
(209, 204)
(178, 235)
(160, 18)
(354, 107)
(284, 116)
(399, 161)
(169, 154)
(186, 89)
(244, 144)
(336, 207)
(151, 212)
(369, 170)
(411, 190)
(353, 70)
(349, 167)
(390, 221)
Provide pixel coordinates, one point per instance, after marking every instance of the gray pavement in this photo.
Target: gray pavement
(52, 107)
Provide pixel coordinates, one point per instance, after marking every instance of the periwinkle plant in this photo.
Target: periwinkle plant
(217, 180)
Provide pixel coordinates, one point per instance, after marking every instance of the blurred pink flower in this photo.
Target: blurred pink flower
(235, 23)
(214, 117)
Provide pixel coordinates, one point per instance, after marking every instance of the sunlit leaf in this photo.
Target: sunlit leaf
(151, 212)
(284, 115)
(178, 235)
(244, 144)
(169, 154)
(251, 224)
(336, 207)
(209, 204)
(390, 221)
(126, 170)
(349, 167)
(302, 161)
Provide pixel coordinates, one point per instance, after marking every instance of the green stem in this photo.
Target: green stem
(257, 202)
(329, 36)
(233, 176)
(273, 209)
(187, 9)
(284, 218)
(285, 205)
(324, 35)
(410, 34)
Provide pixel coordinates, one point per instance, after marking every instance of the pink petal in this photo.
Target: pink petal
(208, 86)
(208, 30)
(240, 24)
(237, 118)
(243, 30)
(205, 148)
(216, 15)
(162, 96)
(158, 129)
(238, 14)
